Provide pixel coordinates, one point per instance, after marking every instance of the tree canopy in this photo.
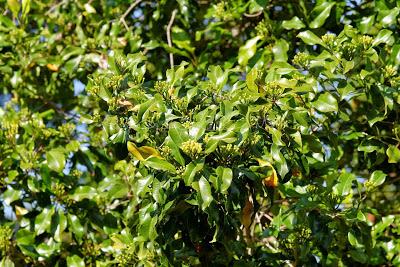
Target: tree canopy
(199, 133)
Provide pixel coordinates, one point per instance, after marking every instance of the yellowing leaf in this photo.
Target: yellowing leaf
(14, 6)
(20, 211)
(144, 152)
(271, 180)
(247, 213)
(52, 67)
(148, 151)
(134, 150)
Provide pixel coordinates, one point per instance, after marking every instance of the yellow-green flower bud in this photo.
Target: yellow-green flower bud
(329, 39)
(5, 239)
(262, 29)
(192, 148)
(390, 71)
(302, 59)
(366, 41)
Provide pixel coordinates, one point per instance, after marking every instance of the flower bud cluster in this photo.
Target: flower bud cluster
(274, 89)
(165, 152)
(66, 129)
(5, 239)
(302, 59)
(221, 12)
(329, 40)
(366, 41)
(114, 82)
(11, 130)
(262, 29)
(390, 71)
(230, 149)
(192, 148)
(127, 257)
(161, 87)
(90, 249)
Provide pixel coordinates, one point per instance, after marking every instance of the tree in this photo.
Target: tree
(199, 133)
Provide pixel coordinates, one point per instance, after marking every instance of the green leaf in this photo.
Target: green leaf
(178, 133)
(218, 77)
(104, 93)
(56, 160)
(276, 136)
(280, 50)
(248, 50)
(142, 185)
(43, 221)
(25, 237)
(377, 178)
(391, 18)
(48, 248)
(6, 262)
(10, 195)
(369, 146)
(310, 38)
(251, 80)
(147, 229)
(75, 261)
(205, 193)
(326, 103)
(224, 178)
(191, 170)
(26, 6)
(175, 151)
(382, 226)
(181, 39)
(352, 239)
(393, 153)
(384, 36)
(347, 91)
(198, 129)
(345, 182)
(118, 190)
(323, 11)
(89, 8)
(395, 56)
(361, 216)
(75, 225)
(83, 192)
(366, 24)
(294, 23)
(160, 164)
(61, 222)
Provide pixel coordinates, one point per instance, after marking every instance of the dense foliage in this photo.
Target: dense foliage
(199, 133)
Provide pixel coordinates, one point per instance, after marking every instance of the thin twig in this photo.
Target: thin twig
(266, 215)
(132, 6)
(253, 15)
(171, 21)
(55, 6)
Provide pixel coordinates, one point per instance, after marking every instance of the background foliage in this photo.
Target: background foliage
(273, 140)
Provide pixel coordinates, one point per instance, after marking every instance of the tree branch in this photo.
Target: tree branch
(132, 6)
(253, 15)
(55, 6)
(171, 22)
